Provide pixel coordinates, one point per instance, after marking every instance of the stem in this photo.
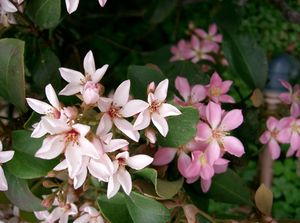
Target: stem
(205, 215)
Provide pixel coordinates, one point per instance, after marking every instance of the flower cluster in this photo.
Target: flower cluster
(202, 46)
(287, 129)
(95, 143)
(72, 5)
(213, 138)
(7, 8)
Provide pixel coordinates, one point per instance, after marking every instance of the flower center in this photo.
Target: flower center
(71, 137)
(122, 161)
(114, 112)
(295, 127)
(202, 160)
(215, 91)
(154, 106)
(274, 134)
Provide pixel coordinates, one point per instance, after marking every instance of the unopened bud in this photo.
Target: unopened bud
(49, 184)
(151, 87)
(47, 202)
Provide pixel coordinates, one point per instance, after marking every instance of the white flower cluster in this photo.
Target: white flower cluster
(69, 131)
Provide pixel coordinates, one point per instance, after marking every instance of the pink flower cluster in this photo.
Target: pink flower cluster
(287, 129)
(93, 142)
(201, 158)
(202, 46)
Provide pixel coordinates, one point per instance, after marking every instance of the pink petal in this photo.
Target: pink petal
(226, 86)
(286, 84)
(265, 137)
(143, 120)
(6, 156)
(104, 104)
(204, 132)
(133, 107)
(201, 33)
(233, 146)
(206, 172)
(212, 30)
(183, 87)
(71, 89)
(295, 109)
(220, 165)
(193, 170)
(71, 76)
(161, 90)
(3, 182)
(218, 38)
(286, 98)
(39, 106)
(284, 135)
(195, 42)
(121, 95)
(232, 120)
(102, 2)
(295, 140)
(213, 152)
(215, 80)
(226, 99)
(198, 93)
(89, 64)
(272, 123)
(115, 144)
(213, 114)
(125, 180)
(127, 128)
(205, 185)
(139, 162)
(97, 76)
(274, 149)
(160, 123)
(105, 125)
(52, 97)
(183, 162)
(164, 155)
(72, 5)
(166, 110)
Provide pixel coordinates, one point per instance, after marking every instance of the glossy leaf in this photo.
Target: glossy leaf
(22, 142)
(44, 13)
(182, 128)
(146, 210)
(228, 187)
(114, 209)
(248, 63)
(12, 72)
(164, 189)
(140, 77)
(20, 195)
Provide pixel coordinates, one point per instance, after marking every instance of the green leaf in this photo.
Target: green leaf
(24, 165)
(114, 209)
(44, 13)
(20, 195)
(162, 10)
(12, 72)
(182, 128)
(228, 187)
(140, 77)
(146, 210)
(246, 59)
(164, 189)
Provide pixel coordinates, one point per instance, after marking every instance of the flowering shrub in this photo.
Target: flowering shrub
(84, 143)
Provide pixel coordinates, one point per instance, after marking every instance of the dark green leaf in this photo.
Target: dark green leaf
(228, 187)
(22, 142)
(164, 189)
(246, 59)
(140, 77)
(162, 10)
(12, 72)
(182, 128)
(114, 209)
(44, 13)
(20, 195)
(146, 210)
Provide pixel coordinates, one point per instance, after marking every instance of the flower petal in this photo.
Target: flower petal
(183, 162)
(3, 182)
(113, 186)
(166, 110)
(265, 137)
(133, 107)
(143, 120)
(164, 155)
(102, 2)
(72, 5)
(125, 180)
(121, 95)
(39, 106)
(104, 126)
(213, 152)
(138, 162)
(7, 6)
(213, 114)
(160, 123)
(161, 90)
(232, 120)
(274, 149)
(71, 76)
(51, 147)
(71, 89)
(204, 132)
(233, 146)
(206, 172)
(205, 185)
(89, 64)
(115, 144)
(198, 93)
(97, 76)
(104, 104)
(6, 156)
(74, 159)
(127, 128)
(183, 87)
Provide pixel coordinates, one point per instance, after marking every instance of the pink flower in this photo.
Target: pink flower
(121, 177)
(118, 108)
(157, 109)
(269, 137)
(200, 50)
(216, 132)
(5, 156)
(179, 51)
(217, 89)
(191, 95)
(211, 35)
(291, 98)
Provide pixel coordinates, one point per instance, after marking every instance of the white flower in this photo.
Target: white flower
(7, 6)
(87, 84)
(72, 5)
(121, 177)
(42, 216)
(118, 108)
(157, 110)
(52, 110)
(90, 215)
(62, 213)
(5, 156)
(70, 140)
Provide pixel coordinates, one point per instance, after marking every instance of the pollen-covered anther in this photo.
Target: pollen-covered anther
(71, 136)
(114, 112)
(154, 106)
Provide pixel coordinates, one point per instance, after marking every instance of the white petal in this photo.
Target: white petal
(133, 107)
(55, 126)
(104, 104)
(55, 214)
(87, 148)
(125, 180)
(166, 110)
(138, 162)
(143, 120)
(104, 126)
(51, 147)
(1, 146)
(89, 64)
(121, 95)
(39, 106)
(123, 155)
(6, 156)
(162, 90)
(97, 76)
(39, 130)
(71, 76)
(102, 2)
(80, 178)
(3, 182)
(160, 123)
(101, 168)
(61, 166)
(82, 219)
(113, 186)
(74, 159)
(115, 144)
(64, 218)
(72, 5)
(71, 89)
(127, 128)
(7, 6)
(52, 97)
(82, 129)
